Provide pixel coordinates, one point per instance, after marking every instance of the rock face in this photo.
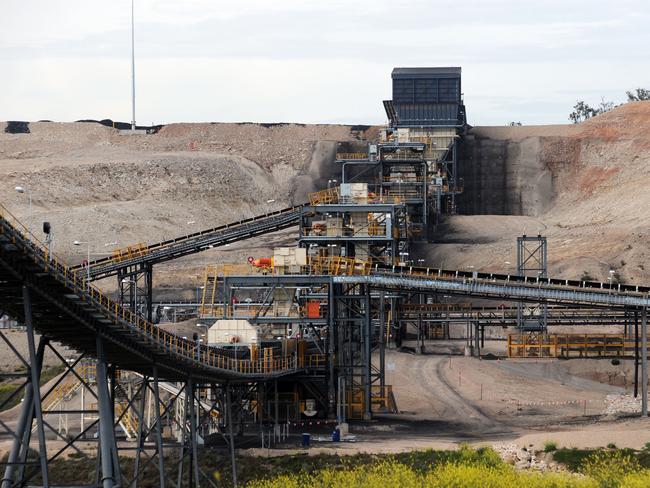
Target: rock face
(523, 458)
(582, 186)
(527, 170)
(621, 404)
(503, 176)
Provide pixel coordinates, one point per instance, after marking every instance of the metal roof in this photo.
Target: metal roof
(437, 72)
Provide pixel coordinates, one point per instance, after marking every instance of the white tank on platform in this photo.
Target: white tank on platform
(228, 332)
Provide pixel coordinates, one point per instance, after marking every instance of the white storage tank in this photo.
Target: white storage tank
(229, 332)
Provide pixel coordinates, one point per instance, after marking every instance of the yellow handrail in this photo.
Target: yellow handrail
(86, 291)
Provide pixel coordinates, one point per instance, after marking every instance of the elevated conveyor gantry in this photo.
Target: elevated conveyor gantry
(68, 309)
(193, 243)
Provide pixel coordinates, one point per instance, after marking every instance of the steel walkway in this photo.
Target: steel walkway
(69, 310)
(193, 243)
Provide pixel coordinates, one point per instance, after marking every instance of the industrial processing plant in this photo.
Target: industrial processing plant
(326, 302)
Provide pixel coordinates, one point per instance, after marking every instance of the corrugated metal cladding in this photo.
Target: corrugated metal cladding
(427, 113)
(426, 85)
(426, 91)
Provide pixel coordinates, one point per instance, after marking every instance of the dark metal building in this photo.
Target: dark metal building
(426, 97)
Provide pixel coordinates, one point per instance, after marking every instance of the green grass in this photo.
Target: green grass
(458, 475)
(463, 468)
(574, 458)
(7, 388)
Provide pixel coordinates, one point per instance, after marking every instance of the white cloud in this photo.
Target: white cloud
(313, 61)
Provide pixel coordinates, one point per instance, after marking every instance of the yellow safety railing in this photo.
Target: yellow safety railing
(127, 419)
(424, 308)
(337, 265)
(381, 399)
(75, 279)
(324, 197)
(133, 251)
(372, 229)
(316, 360)
(570, 345)
(352, 156)
(62, 391)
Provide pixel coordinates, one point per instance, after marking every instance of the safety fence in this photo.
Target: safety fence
(355, 156)
(324, 197)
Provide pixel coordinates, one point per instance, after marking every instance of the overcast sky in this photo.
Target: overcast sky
(310, 61)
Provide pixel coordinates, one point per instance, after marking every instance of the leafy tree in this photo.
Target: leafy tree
(582, 111)
(514, 124)
(638, 95)
(604, 106)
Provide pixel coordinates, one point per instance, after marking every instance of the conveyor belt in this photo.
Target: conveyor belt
(505, 287)
(197, 242)
(67, 309)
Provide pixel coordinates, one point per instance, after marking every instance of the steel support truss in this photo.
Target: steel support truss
(104, 410)
(532, 260)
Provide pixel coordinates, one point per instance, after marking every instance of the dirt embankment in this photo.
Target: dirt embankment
(582, 186)
(113, 190)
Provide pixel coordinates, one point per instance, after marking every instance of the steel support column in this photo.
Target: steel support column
(367, 358)
(20, 448)
(35, 372)
(331, 351)
(644, 362)
(110, 475)
(193, 473)
(231, 439)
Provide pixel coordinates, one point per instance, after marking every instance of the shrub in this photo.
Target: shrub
(586, 276)
(464, 472)
(550, 446)
(610, 468)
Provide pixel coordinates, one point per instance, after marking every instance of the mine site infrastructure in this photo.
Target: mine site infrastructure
(299, 335)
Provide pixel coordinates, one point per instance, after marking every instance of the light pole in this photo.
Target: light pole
(79, 243)
(22, 189)
(611, 277)
(198, 294)
(132, 68)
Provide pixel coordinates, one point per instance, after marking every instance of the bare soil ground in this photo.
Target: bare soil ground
(113, 190)
(446, 401)
(93, 184)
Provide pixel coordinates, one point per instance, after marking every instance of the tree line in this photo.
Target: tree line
(583, 111)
